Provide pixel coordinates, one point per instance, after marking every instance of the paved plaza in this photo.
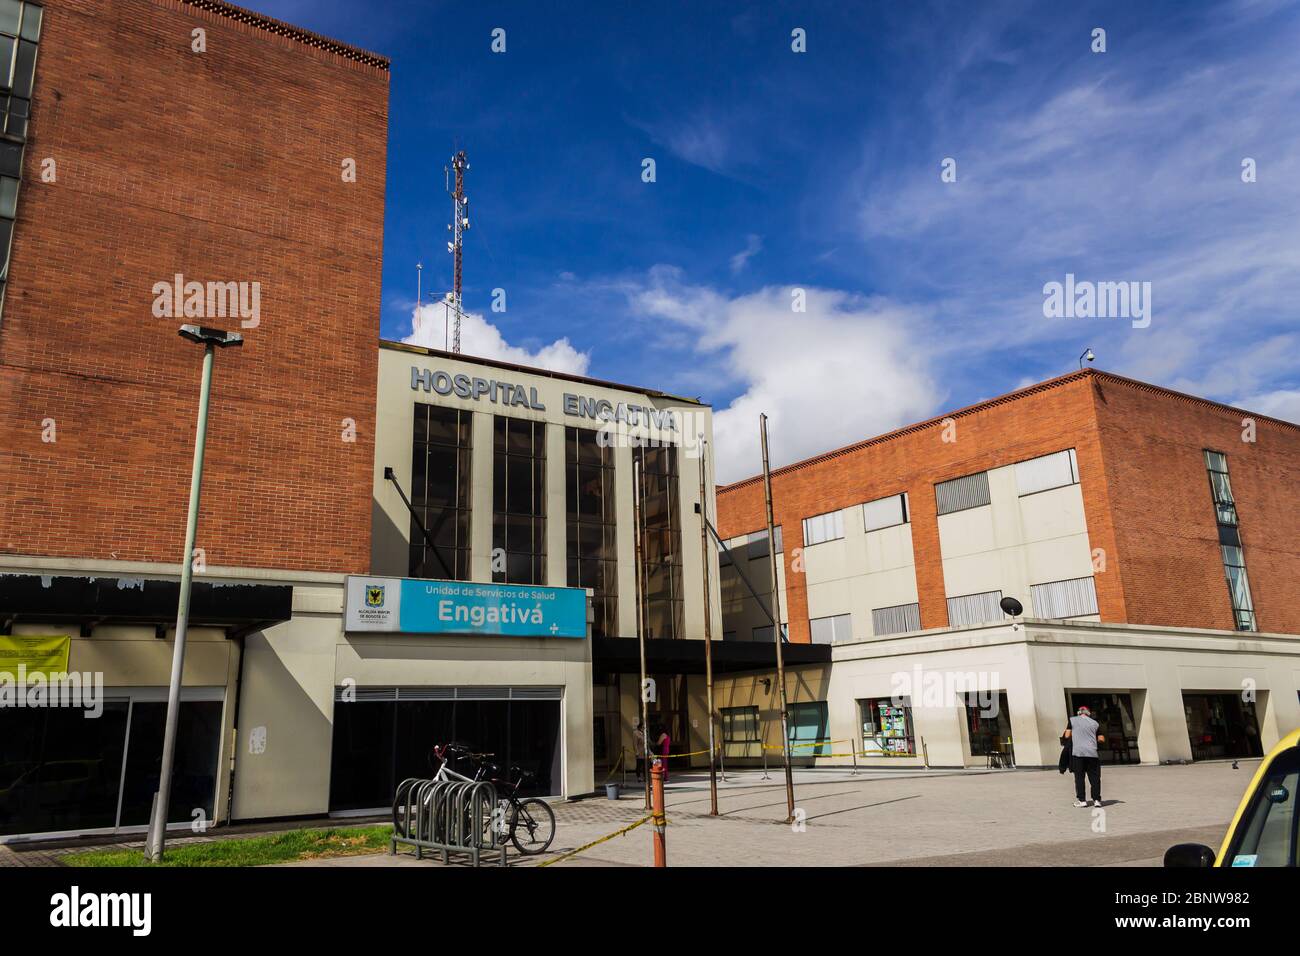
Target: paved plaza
(897, 818)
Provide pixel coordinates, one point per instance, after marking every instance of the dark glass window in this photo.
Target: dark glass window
(380, 743)
(194, 775)
(661, 541)
(20, 28)
(518, 501)
(591, 550)
(1234, 557)
(440, 492)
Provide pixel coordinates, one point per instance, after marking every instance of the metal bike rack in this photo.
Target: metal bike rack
(452, 816)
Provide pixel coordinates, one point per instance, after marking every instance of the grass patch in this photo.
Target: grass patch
(254, 851)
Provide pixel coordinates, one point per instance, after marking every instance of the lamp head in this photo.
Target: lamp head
(209, 336)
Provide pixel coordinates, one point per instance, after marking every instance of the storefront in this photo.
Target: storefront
(1221, 726)
(501, 670)
(84, 667)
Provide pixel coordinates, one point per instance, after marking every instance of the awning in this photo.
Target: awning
(621, 655)
(238, 608)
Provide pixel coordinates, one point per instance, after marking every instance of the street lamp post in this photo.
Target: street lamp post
(211, 340)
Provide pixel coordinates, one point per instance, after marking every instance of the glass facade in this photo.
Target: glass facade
(591, 549)
(662, 542)
(379, 743)
(61, 771)
(440, 493)
(518, 501)
(20, 30)
(1234, 558)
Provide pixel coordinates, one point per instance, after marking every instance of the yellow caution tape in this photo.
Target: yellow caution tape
(621, 754)
(603, 839)
(811, 743)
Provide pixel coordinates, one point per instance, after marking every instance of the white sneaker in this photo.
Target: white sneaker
(1080, 803)
(1096, 803)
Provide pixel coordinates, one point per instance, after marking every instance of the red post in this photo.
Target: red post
(658, 820)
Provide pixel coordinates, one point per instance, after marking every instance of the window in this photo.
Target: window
(518, 501)
(20, 29)
(591, 549)
(822, 528)
(885, 513)
(887, 727)
(828, 630)
(1076, 597)
(757, 544)
(1234, 558)
(896, 620)
(970, 610)
(742, 735)
(440, 493)
(661, 540)
(960, 494)
(764, 633)
(808, 725)
(1047, 472)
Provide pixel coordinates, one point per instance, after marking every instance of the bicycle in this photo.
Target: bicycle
(531, 824)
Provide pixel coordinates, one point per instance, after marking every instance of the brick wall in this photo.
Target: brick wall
(1145, 491)
(1154, 444)
(222, 166)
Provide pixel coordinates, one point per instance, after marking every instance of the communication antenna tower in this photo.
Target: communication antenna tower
(459, 224)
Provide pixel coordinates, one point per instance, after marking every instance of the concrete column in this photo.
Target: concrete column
(557, 522)
(480, 521)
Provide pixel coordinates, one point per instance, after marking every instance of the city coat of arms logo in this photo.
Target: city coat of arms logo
(374, 595)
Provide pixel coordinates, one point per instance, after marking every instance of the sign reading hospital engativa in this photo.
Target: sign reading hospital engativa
(413, 606)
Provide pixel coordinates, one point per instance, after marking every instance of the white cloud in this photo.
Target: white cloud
(1283, 403)
(753, 246)
(846, 369)
(479, 337)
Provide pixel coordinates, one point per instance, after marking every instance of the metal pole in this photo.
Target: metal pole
(158, 825)
(708, 634)
(640, 623)
(660, 822)
(776, 617)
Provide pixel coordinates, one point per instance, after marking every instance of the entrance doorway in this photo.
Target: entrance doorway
(1114, 716)
(988, 721)
(387, 734)
(1221, 726)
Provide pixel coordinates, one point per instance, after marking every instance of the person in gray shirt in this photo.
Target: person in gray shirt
(1084, 758)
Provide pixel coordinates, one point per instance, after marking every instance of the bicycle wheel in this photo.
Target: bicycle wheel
(532, 826)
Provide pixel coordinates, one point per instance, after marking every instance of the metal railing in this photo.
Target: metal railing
(451, 816)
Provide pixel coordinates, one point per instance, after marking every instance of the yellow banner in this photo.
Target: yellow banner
(46, 655)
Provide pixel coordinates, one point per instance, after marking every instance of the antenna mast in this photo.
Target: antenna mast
(459, 223)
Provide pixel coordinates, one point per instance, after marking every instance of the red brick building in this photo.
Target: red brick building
(1142, 472)
(1150, 541)
(193, 138)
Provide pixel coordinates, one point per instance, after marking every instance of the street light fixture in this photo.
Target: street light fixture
(1086, 355)
(211, 340)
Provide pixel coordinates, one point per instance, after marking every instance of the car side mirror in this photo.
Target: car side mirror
(1194, 855)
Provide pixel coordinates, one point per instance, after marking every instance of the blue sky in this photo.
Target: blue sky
(820, 171)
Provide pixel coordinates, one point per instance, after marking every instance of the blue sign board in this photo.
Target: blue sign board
(464, 607)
